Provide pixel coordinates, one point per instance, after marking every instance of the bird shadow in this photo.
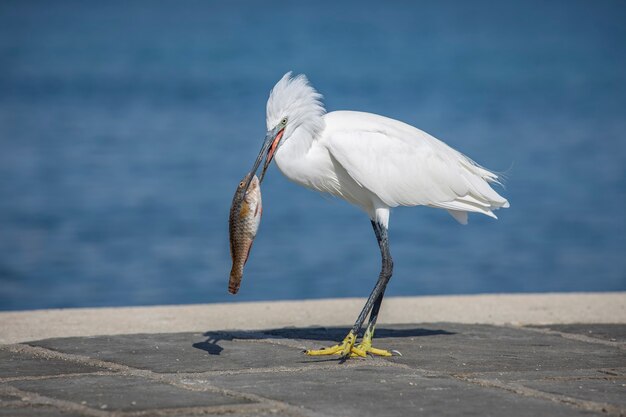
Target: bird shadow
(212, 347)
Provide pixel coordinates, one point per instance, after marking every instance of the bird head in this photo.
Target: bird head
(293, 104)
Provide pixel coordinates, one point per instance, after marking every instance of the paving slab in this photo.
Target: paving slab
(14, 365)
(35, 411)
(610, 332)
(484, 348)
(597, 390)
(7, 397)
(177, 352)
(376, 391)
(599, 386)
(123, 393)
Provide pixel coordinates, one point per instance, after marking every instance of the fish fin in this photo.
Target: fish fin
(247, 254)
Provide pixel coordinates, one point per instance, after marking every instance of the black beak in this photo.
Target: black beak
(269, 147)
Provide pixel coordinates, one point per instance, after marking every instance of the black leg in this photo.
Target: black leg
(386, 255)
(376, 297)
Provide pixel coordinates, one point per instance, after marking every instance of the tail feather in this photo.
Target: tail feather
(459, 216)
(481, 199)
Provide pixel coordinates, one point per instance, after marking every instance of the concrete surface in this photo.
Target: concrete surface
(446, 369)
(516, 309)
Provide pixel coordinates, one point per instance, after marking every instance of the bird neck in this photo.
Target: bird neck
(300, 140)
(293, 156)
(295, 147)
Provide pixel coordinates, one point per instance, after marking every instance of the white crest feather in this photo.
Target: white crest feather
(296, 99)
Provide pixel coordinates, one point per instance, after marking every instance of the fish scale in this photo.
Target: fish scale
(245, 217)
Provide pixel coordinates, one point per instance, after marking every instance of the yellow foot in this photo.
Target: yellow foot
(366, 347)
(344, 349)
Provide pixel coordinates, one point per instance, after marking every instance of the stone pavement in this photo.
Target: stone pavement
(445, 369)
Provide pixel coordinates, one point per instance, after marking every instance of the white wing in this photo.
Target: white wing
(403, 165)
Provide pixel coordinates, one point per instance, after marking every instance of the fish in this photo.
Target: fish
(243, 224)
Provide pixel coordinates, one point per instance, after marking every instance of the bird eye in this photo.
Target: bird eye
(284, 121)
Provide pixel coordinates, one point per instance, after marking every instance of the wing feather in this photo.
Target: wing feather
(405, 166)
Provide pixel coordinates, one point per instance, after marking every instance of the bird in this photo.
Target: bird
(375, 163)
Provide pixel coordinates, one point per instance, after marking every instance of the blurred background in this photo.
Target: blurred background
(125, 127)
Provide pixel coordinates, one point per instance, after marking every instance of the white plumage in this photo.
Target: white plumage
(372, 161)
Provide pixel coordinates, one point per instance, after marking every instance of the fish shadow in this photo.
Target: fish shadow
(212, 347)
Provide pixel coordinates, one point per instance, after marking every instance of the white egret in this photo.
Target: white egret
(375, 163)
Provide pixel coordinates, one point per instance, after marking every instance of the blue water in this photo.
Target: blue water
(126, 126)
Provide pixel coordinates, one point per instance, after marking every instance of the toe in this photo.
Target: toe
(358, 352)
(323, 351)
(379, 352)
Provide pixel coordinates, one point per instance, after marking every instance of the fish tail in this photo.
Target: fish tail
(235, 280)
